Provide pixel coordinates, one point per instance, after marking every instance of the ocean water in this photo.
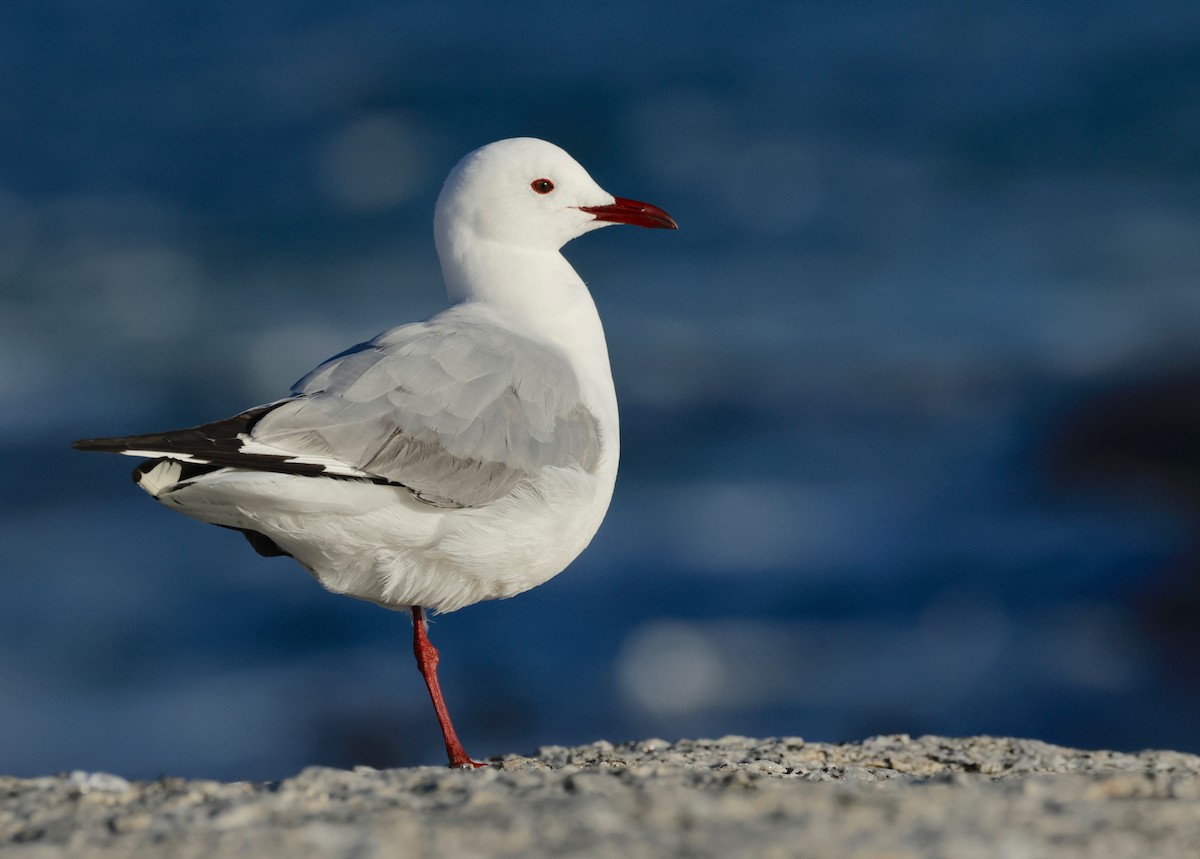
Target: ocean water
(908, 402)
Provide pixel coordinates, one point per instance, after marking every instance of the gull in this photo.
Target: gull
(465, 458)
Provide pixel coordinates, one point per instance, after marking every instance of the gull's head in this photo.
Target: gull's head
(529, 193)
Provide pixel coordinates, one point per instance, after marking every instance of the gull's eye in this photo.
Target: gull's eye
(542, 186)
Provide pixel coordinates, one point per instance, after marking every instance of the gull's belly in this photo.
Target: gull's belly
(379, 544)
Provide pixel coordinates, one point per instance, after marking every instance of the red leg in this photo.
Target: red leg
(427, 660)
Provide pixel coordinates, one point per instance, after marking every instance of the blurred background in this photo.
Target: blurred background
(910, 402)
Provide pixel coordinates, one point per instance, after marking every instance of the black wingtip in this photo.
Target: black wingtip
(105, 445)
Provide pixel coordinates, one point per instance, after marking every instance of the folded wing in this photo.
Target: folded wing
(456, 410)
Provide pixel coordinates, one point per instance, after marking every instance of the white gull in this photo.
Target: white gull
(468, 457)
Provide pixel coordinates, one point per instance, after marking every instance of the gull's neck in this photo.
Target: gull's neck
(540, 295)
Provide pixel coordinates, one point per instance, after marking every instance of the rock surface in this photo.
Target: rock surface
(885, 798)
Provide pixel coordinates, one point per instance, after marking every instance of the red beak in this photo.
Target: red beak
(624, 211)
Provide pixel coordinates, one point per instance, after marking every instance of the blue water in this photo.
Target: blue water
(917, 241)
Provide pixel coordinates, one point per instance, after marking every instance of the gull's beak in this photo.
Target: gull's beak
(624, 211)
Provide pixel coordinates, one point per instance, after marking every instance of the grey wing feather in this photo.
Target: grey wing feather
(457, 411)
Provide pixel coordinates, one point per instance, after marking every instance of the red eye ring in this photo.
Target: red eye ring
(542, 186)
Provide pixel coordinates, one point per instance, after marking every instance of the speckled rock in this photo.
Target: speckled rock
(890, 797)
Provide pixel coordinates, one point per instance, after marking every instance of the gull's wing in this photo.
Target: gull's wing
(455, 409)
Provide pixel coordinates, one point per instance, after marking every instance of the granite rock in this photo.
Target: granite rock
(888, 797)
